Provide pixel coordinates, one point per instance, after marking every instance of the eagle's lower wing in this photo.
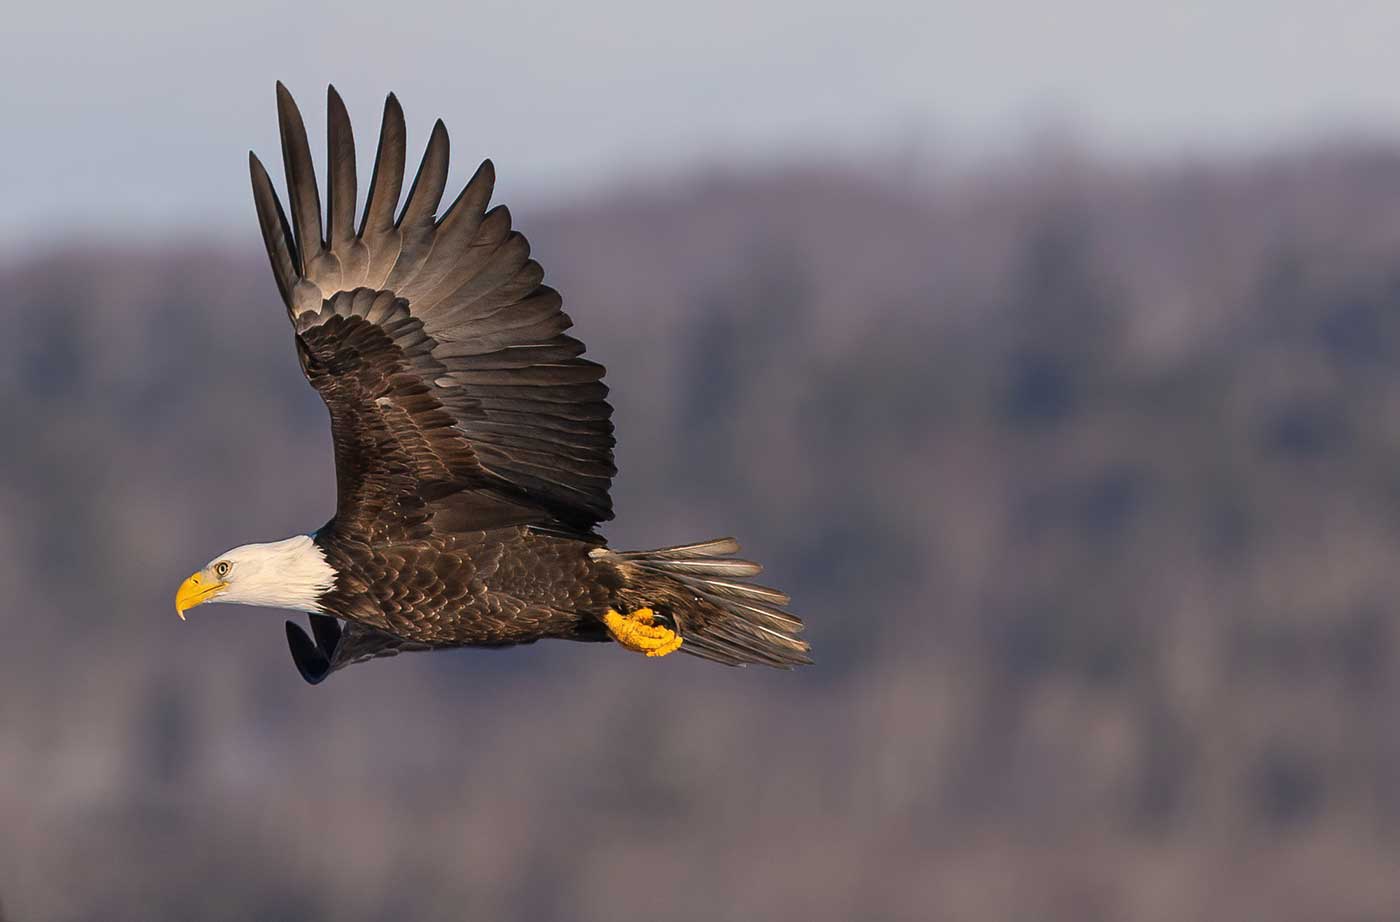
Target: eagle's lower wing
(336, 646)
(441, 356)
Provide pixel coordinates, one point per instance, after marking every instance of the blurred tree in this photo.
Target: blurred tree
(1062, 322)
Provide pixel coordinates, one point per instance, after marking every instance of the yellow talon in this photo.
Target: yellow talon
(638, 633)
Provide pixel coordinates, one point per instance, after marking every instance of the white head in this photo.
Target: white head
(283, 574)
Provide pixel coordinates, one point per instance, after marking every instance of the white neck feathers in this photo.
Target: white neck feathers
(282, 574)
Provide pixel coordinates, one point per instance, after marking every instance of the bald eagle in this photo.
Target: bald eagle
(473, 442)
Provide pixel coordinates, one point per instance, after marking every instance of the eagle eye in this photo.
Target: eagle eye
(221, 569)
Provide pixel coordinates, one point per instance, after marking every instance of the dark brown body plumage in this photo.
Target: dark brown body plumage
(499, 587)
(473, 443)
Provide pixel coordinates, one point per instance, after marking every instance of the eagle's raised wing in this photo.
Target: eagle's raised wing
(456, 400)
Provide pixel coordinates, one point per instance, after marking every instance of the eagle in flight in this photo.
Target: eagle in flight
(473, 442)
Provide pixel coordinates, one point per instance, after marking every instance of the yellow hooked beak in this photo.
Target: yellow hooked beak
(195, 591)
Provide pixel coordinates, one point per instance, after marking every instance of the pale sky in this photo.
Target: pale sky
(140, 113)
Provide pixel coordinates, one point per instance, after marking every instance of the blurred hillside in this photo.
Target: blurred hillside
(1086, 478)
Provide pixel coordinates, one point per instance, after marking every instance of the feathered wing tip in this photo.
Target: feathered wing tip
(387, 251)
(332, 646)
(726, 620)
(313, 657)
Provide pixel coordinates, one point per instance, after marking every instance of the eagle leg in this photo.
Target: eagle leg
(639, 633)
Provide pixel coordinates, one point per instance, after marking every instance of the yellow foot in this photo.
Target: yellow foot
(638, 632)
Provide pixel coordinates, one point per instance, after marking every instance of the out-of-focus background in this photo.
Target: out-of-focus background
(1050, 356)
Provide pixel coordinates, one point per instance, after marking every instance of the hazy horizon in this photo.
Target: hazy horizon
(142, 117)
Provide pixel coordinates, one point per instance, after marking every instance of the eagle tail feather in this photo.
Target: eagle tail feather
(700, 589)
